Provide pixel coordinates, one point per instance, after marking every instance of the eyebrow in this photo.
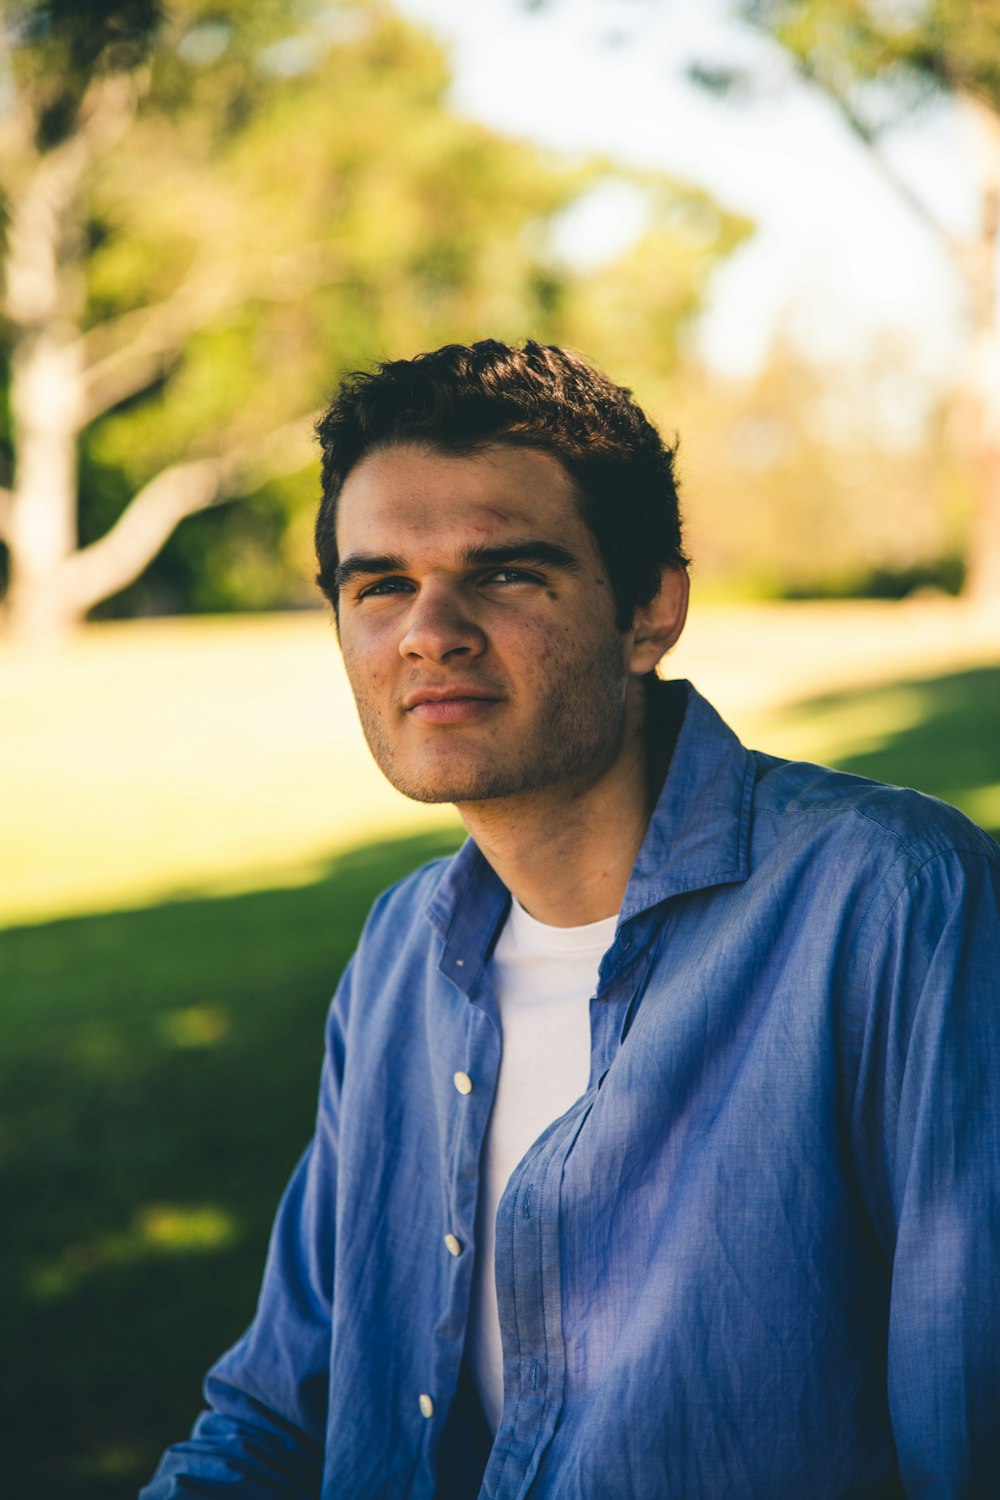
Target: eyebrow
(517, 550)
(368, 564)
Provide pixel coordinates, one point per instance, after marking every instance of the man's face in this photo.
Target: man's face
(477, 623)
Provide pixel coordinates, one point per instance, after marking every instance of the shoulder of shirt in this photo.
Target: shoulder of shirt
(410, 895)
(863, 811)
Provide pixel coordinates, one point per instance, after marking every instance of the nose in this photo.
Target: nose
(440, 626)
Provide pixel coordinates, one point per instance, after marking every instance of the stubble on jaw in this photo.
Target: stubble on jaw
(575, 738)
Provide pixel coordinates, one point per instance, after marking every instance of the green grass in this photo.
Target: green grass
(157, 1078)
(158, 1066)
(938, 734)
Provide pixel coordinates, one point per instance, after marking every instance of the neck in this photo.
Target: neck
(566, 853)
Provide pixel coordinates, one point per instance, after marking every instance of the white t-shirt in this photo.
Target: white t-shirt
(543, 978)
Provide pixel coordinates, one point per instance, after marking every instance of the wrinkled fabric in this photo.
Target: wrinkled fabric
(757, 1259)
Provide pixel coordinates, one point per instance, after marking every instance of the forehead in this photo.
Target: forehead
(411, 495)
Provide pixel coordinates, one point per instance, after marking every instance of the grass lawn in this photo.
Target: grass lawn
(158, 1076)
(192, 835)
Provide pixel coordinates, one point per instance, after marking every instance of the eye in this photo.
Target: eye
(511, 575)
(385, 586)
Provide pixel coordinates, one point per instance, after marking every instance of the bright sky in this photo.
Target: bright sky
(835, 252)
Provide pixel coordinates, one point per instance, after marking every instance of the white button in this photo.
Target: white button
(463, 1083)
(453, 1244)
(426, 1406)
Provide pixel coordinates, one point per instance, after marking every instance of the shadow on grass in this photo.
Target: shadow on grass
(159, 1071)
(948, 743)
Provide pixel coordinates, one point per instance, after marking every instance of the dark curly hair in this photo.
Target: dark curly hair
(463, 397)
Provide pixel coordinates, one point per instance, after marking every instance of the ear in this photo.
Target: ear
(657, 625)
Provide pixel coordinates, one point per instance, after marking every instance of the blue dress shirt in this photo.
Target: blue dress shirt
(758, 1259)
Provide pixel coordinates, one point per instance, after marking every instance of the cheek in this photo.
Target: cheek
(566, 643)
(367, 680)
(527, 646)
(368, 661)
(541, 655)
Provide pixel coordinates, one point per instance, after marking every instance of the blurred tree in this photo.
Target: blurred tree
(879, 61)
(633, 313)
(211, 208)
(811, 482)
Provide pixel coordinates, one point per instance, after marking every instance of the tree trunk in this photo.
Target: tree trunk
(41, 529)
(43, 304)
(44, 298)
(983, 381)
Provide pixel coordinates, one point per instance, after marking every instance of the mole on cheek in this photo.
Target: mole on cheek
(551, 594)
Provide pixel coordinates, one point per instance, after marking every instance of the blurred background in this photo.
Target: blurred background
(776, 220)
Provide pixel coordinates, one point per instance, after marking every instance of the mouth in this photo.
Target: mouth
(451, 705)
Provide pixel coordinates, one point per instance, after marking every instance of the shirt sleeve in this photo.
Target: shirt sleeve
(927, 1141)
(263, 1433)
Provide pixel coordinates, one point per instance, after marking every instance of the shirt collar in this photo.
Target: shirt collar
(698, 836)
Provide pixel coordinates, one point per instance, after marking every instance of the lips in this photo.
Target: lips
(455, 704)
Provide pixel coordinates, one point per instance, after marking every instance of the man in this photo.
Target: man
(658, 1145)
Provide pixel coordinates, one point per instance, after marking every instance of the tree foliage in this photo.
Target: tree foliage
(820, 482)
(879, 60)
(232, 202)
(911, 47)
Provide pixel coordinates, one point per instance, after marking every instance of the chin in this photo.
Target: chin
(456, 792)
(465, 785)
(428, 795)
